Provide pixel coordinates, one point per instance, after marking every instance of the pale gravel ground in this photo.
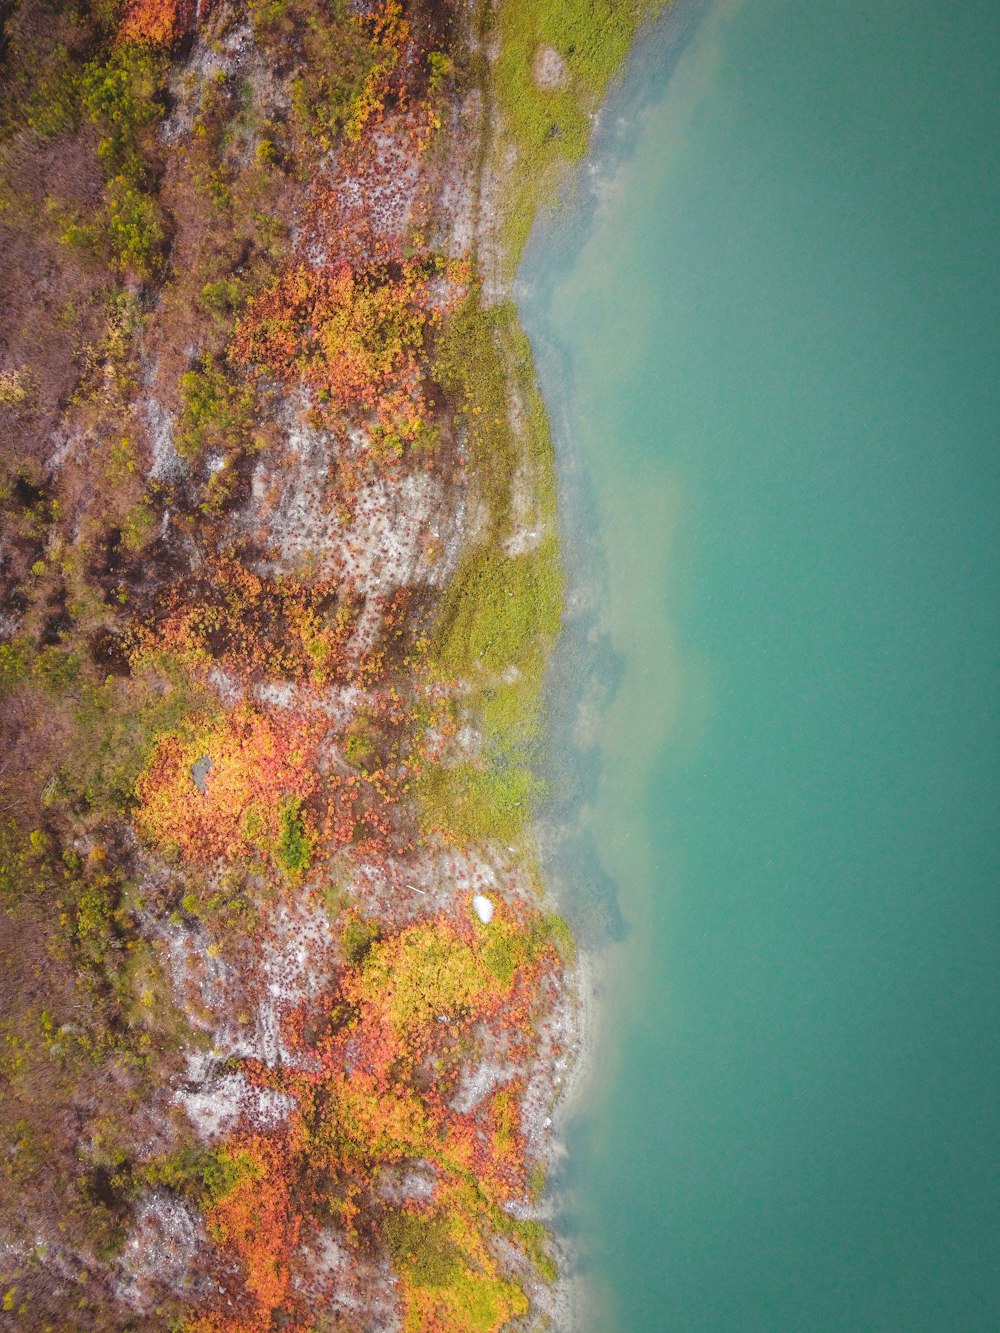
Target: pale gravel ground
(165, 1237)
(167, 463)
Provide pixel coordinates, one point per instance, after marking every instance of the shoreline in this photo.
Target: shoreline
(572, 1287)
(571, 1292)
(583, 663)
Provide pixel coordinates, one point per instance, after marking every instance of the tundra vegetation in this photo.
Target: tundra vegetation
(278, 579)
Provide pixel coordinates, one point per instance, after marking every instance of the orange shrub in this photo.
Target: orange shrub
(158, 22)
(254, 625)
(257, 1224)
(257, 764)
(352, 334)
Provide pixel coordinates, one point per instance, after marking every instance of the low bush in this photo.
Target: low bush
(217, 411)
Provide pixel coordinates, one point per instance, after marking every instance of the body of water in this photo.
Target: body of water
(767, 331)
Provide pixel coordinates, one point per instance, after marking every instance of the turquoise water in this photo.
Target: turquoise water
(767, 330)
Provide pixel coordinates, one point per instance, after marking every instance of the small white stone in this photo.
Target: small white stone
(483, 908)
(549, 69)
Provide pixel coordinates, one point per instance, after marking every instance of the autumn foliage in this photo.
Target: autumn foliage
(353, 335)
(160, 22)
(375, 1088)
(218, 787)
(253, 624)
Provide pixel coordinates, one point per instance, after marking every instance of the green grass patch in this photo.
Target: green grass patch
(15, 662)
(295, 846)
(501, 611)
(480, 356)
(132, 226)
(557, 930)
(475, 803)
(116, 724)
(215, 412)
(504, 954)
(529, 1233)
(206, 1178)
(357, 938)
(53, 93)
(358, 746)
(469, 365)
(509, 947)
(423, 1246)
(121, 96)
(550, 126)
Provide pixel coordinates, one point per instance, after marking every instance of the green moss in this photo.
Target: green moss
(529, 1233)
(500, 614)
(507, 946)
(536, 1180)
(421, 974)
(335, 895)
(425, 1249)
(550, 126)
(534, 1237)
(295, 847)
(356, 939)
(422, 1245)
(358, 745)
(558, 931)
(476, 802)
(501, 611)
(116, 723)
(469, 365)
(215, 412)
(483, 1301)
(206, 1178)
(503, 954)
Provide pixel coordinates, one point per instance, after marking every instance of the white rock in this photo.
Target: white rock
(483, 908)
(549, 69)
